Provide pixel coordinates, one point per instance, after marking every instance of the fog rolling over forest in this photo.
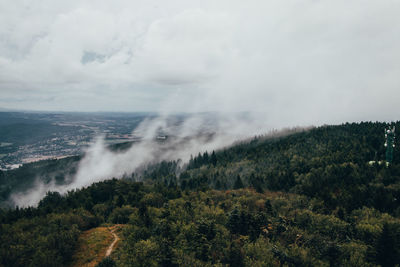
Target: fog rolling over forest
(239, 133)
(281, 64)
(251, 67)
(162, 138)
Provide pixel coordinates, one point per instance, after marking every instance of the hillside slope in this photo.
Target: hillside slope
(329, 163)
(307, 199)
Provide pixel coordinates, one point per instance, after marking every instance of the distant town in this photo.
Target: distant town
(30, 137)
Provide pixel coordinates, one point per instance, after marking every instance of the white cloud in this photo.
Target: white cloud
(298, 62)
(190, 47)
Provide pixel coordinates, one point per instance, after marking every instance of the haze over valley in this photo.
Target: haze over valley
(199, 133)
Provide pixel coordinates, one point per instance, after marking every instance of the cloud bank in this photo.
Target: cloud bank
(296, 62)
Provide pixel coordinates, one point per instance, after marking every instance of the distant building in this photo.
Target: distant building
(161, 137)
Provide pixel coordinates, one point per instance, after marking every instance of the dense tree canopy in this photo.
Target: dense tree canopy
(310, 198)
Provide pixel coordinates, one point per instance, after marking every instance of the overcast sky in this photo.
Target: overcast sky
(300, 62)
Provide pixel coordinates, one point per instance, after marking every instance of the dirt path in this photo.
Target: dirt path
(110, 248)
(95, 244)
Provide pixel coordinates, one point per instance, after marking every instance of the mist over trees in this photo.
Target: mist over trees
(307, 199)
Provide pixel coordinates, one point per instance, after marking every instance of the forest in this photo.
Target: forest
(318, 197)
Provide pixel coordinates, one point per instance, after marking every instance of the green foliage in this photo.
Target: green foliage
(107, 262)
(121, 215)
(329, 163)
(238, 183)
(388, 245)
(307, 199)
(41, 241)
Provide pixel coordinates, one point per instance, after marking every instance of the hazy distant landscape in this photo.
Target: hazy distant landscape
(44, 151)
(199, 133)
(27, 137)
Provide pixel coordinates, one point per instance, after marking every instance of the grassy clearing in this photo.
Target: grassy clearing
(93, 244)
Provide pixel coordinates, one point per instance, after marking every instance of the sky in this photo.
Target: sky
(292, 62)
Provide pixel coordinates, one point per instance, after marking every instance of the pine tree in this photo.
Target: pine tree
(205, 158)
(213, 159)
(120, 201)
(238, 183)
(218, 185)
(234, 223)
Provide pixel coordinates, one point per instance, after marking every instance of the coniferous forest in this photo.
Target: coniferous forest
(318, 197)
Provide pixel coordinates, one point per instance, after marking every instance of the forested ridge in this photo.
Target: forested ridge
(307, 199)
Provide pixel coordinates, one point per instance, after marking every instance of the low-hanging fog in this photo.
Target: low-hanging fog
(196, 133)
(254, 65)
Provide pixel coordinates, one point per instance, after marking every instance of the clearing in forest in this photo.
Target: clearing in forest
(94, 245)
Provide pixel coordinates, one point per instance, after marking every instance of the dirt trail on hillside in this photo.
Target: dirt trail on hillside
(111, 247)
(95, 244)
